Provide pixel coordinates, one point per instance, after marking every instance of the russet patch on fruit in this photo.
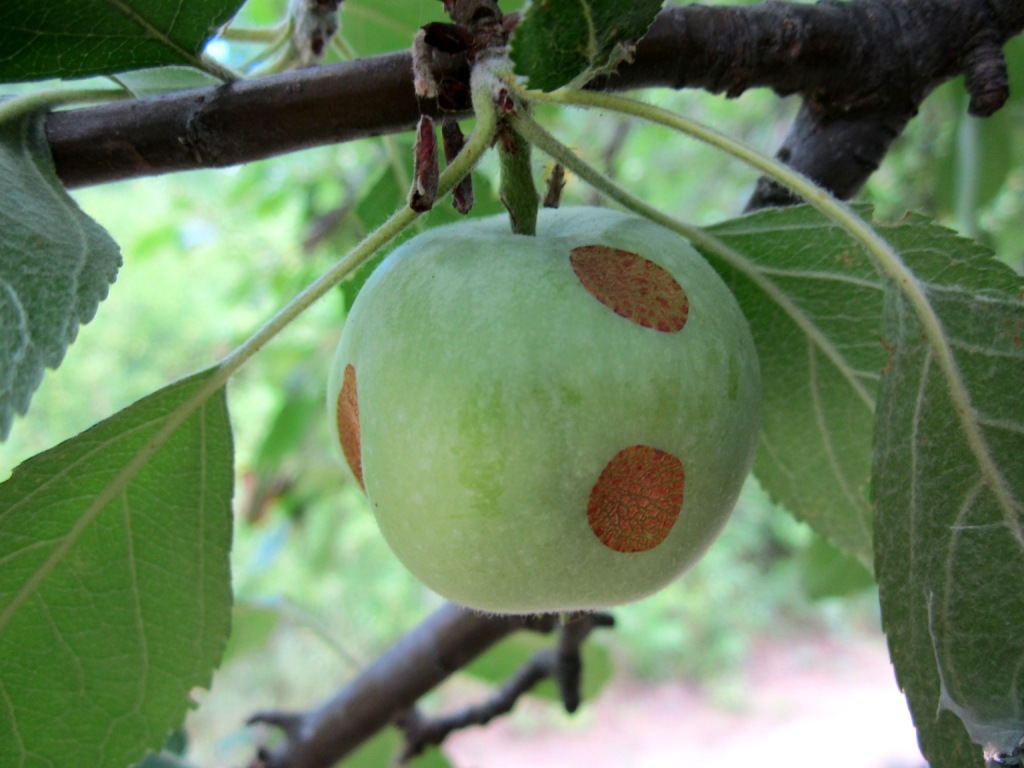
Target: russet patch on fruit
(347, 413)
(636, 500)
(547, 423)
(631, 286)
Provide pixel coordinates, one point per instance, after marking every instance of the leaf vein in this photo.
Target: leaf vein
(821, 276)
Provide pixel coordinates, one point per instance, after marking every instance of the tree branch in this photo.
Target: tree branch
(562, 664)
(862, 68)
(444, 643)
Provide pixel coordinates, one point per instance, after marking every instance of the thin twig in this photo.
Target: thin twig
(562, 664)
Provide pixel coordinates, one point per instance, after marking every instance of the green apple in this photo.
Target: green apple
(547, 423)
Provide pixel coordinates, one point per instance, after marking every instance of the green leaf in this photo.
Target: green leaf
(563, 42)
(77, 38)
(974, 167)
(950, 509)
(299, 406)
(814, 303)
(383, 197)
(111, 612)
(252, 625)
(56, 265)
(383, 26)
(158, 80)
(826, 572)
(377, 751)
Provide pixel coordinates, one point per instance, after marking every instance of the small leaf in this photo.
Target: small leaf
(950, 509)
(562, 42)
(77, 38)
(377, 751)
(826, 572)
(111, 613)
(56, 265)
(158, 80)
(252, 625)
(973, 166)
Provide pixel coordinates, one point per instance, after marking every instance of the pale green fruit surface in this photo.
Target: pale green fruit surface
(482, 391)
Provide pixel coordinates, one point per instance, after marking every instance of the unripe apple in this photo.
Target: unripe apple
(547, 423)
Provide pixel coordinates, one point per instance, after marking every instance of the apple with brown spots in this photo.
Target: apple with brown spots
(547, 423)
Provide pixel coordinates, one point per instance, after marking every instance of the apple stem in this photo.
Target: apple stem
(517, 191)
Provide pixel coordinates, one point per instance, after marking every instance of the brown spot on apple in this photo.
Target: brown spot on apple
(348, 423)
(632, 286)
(636, 500)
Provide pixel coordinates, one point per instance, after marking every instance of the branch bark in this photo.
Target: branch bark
(861, 67)
(563, 664)
(444, 643)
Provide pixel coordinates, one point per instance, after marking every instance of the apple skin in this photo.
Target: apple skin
(506, 421)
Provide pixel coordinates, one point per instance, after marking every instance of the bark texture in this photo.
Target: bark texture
(444, 643)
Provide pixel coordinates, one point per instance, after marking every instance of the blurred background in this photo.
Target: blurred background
(769, 650)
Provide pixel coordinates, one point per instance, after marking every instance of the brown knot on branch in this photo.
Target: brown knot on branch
(862, 69)
(985, 76)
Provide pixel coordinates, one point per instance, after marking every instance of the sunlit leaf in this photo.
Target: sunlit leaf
(950, 507)
(56, 265)
(114, 607)
(76, 38)
(562, 42)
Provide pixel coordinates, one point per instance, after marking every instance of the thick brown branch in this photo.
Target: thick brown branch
(441, 645)
(237, 123)
(862, 68)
